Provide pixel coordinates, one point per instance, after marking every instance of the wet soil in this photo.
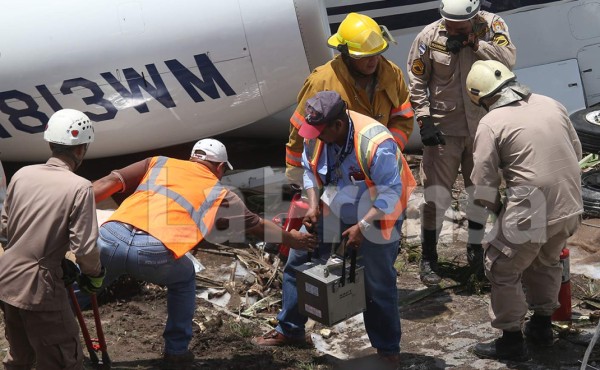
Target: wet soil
(440, 325)
(438, 330)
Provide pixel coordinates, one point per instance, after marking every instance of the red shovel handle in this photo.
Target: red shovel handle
(84, 329)
(99, 331)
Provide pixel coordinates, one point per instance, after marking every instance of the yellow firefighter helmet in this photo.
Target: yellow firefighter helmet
(360, 36)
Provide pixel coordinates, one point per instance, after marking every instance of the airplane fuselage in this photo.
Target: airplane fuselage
(149, 73)
(153, 74)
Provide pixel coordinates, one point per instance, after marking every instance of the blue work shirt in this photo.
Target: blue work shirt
(352, 200)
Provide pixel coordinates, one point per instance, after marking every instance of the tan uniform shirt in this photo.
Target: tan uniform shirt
(2, 186)
(437, 76)
(48, 211)
(534, 144)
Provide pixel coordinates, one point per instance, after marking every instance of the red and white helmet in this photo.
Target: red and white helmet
(69, 127)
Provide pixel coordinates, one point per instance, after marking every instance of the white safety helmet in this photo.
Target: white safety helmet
(459, 10)
(214, 151)
(69, 127)
(486, 77)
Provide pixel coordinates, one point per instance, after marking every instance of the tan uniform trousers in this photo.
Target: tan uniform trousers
(526, 275)
(439, 169)
(48, 339)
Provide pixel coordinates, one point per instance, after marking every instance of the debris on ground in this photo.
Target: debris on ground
(239, 296)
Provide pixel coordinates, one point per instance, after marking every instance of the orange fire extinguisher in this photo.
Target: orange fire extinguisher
(290, 221)
(563, 313)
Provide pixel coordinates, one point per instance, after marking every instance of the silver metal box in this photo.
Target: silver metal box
(323, 297)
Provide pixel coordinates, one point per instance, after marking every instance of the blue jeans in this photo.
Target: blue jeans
(382, 317)
(144, 257)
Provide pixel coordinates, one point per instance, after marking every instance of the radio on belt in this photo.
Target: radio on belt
(330, 292)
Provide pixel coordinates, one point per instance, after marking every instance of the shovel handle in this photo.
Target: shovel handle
(83, 326)
(99, 331)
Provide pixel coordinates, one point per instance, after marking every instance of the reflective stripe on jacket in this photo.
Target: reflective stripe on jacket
(390, 104)
(369, 134)
(176, 202)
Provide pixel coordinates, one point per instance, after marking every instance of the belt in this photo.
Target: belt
(133, 228)
(138, 231)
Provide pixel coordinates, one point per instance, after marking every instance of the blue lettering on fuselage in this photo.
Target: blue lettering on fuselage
(136, 83)
(96, 98)
(210, 78)
(15, 115)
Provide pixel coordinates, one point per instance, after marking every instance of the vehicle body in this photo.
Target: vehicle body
(152, 74)
(558, 42)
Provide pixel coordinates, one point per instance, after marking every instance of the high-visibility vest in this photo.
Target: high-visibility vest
(176, 202)
(369, 134)
(389, 105)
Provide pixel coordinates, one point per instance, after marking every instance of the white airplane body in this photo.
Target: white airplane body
(153, 74)
(558, 42)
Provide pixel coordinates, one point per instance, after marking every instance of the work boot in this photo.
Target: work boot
(538, 330)
(276, 339)
(510, 346)
(475, 259)
(428, 273)
(428, 266)
(388, 361)
(182, 358)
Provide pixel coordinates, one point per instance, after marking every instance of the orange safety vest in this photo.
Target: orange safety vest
(176, 203)
(390, 104)
(369, 134)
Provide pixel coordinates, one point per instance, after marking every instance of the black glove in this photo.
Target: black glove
(70, 272)
(91, 284)
(430, 134)
(456, 42)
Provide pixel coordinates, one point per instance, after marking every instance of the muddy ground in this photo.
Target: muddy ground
(440, 325)
(438, 330)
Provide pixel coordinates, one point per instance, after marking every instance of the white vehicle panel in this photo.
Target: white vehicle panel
(556, 41)
(70, 40)
(588, 58)
(273, 65)
(133, 132)
(153, 74)
(560, 81)
(150, 74)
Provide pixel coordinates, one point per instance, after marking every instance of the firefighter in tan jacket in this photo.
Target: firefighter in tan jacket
(530, 138)
(48, 211)
(438, 63)
(371, 84)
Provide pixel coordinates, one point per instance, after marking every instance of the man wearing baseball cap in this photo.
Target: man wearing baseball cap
(357, 188)
(364, 78)
(176, 204)
(211, 150)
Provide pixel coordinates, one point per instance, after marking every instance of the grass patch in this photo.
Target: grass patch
(241, 329)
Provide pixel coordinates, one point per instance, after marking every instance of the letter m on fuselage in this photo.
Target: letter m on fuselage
(210, 78)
